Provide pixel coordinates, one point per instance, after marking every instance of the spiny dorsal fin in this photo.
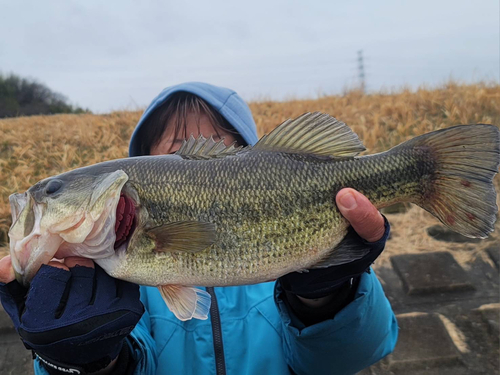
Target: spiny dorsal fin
(205, 148)
(312, 133)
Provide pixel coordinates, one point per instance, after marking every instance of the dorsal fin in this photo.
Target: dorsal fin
(205, 148)
(312, 133)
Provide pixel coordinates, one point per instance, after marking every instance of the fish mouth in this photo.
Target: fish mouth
(111, 231)
(26, 240)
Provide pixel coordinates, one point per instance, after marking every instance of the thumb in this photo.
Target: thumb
(363, 216)
(6, 270)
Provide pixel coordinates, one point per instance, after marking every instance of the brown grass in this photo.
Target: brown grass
(32, 148)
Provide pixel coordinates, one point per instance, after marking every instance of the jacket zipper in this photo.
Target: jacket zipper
(220, 362)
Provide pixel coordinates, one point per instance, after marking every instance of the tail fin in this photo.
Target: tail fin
(460, 191)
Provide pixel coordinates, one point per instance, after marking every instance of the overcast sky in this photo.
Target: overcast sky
(116, 55)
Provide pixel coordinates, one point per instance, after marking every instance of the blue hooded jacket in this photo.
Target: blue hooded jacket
(254, 332)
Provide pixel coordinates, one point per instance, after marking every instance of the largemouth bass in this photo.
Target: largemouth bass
(212, 215)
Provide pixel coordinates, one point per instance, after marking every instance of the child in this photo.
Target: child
(326, 321)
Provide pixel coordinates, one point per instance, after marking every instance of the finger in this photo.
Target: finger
(47, 297)
(78, 261)
(106, 288)
(363, 216)
(82, 282)
(6, 270)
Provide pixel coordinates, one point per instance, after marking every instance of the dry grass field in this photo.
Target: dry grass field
(32, 148)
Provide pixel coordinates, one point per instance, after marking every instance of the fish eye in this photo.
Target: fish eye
(53, 186)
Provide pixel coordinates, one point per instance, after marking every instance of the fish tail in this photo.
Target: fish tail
(460, 163)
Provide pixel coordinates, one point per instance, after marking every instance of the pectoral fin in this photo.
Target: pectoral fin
(186, 302)
(189, 236)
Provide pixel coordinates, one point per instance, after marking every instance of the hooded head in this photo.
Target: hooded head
(75, 213)
(225, 101)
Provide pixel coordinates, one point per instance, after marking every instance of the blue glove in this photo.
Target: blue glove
(75, 319)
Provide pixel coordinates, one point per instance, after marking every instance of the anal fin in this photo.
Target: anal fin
(348, 250)
(186, 302)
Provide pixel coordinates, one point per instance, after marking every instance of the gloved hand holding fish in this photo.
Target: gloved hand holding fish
(212, 215)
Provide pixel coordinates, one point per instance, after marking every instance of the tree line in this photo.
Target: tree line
(25, 97)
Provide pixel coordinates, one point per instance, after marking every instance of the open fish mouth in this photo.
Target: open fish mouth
(33, 242)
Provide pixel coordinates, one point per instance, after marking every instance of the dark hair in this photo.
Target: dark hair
(175, 111)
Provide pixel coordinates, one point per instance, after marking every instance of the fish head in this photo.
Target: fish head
(72, 214)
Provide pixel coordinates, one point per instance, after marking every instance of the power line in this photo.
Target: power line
(361, 71)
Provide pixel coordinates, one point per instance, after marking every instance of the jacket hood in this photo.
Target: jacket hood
(227, 102)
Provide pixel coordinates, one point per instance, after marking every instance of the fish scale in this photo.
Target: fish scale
(283, 199)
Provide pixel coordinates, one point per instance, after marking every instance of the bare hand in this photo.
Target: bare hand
(363, 216)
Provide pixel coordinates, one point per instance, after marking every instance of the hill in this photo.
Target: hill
(25, 97)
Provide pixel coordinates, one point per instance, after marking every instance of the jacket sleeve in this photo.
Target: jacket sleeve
(141, 343)
(359, 335)
(144, 346)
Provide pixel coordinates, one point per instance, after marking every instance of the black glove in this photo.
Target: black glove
(340, 281)
(73, 320)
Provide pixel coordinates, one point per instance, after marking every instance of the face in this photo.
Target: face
(196, 125)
